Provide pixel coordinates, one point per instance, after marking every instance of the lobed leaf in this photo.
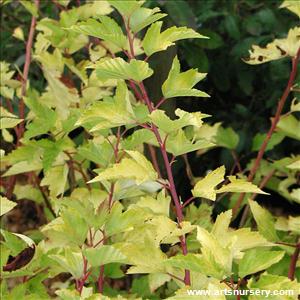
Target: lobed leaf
(256, 260)
(137, 167)
(181, 84)
(118, 68)
(206, 187)
(6, 205)
(155, 40)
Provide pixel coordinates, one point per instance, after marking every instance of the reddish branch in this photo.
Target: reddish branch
(261, 186)
(25, 72)
(154, 160)
(20, 128)
(172, 187)
(275, 121)
(293, 263)
(144, 96)
(46, 200)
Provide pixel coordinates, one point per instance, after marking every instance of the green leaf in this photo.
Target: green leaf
(294, 165)
(29, 242)
(118, 68)
(206, 187)
(289, 126)
(179, 144)
(218, 259)
(93, 9)
(58, 95)
(215, 40)
(270, 283)
(157, 280)
(143, 17)
(256, 260)
(137, 167)
(51, 151)
(237, 240)
(30, 6)
(264, 220)
(6, 205)
(160, 206)
(103, 255)
(257, 141)
(66, 294)
(181, 13)
(13, 242)
(7, 119)
(160, 119)
(110, 112)
(232, 27)
(191, 261)
(97, 150)
(145, 257)
(126, 7)
(277, 49)
(155, 40)
(107, 30)
(56, 179)
(71, 261)
(294, 224)
(23, 167)
(181, 84)
(139, 137)
(227, 137)
(44, 117)
(75, 226)
(120, 222)
(240, 186)
(291, 5)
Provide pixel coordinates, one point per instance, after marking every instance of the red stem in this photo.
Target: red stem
(20, 128)
(187, 202)
(149, 103)
(293, 264)
(286, 244)
(154, 159)
(175, 277)
(111, 194)
(46, 200)
(275, 121)
(160, 102)
(100, 282)
(236, 160)
(172, 187)
(261, 186)
(136, 92)
(85, 179)
(25, 73)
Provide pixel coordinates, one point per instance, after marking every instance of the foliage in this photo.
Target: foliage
(96, 153)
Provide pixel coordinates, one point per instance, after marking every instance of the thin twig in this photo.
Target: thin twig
(160, 102)
(149, 103)
(293, 264)
(286, 244)
(187, 202)
(261, 186)
(236, 160)
(26, 72)
(46, 200)
(154, 159)
(275, 121)
(175, 277)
